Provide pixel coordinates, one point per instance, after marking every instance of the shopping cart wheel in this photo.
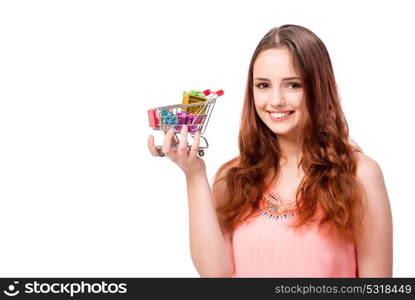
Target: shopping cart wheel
(201, 152)
(161, 153)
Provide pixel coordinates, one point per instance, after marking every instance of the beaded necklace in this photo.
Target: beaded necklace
(272, 206)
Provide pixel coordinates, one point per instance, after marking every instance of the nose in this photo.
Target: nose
(277, 99)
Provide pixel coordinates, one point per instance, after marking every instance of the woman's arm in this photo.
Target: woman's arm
(211, 250)
(375, 245)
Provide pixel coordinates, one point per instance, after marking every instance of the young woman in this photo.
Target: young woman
(300, 200)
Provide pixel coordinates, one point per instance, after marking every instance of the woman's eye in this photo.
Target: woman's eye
(260, 85)
(294, 84)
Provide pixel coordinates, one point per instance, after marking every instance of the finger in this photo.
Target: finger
(175, 140)
(151, 147)
(195, 147)
(183, 139)
(166, 148)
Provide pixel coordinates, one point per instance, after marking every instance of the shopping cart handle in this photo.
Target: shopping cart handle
(207, 92)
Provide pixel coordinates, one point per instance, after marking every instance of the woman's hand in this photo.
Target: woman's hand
(186, 159)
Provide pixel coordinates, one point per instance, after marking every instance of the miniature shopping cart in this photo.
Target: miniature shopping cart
(194, 112)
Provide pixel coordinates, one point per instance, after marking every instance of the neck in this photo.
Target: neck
(290, 146)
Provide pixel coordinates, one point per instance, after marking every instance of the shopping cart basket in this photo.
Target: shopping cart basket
(195, 115)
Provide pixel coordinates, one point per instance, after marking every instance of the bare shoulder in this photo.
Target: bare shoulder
(370, 176)
(368, 170)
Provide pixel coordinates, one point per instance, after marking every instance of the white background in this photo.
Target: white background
(79, 193)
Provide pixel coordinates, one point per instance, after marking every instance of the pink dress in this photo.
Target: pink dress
(265, 247)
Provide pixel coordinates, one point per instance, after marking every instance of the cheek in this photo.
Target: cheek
(260, 105)
(302, 114)
(259, 110)
(259, 100)
(296, 100)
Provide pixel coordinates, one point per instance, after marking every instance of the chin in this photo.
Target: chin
(282, 131)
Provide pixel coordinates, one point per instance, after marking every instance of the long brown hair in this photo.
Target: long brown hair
(327, 159)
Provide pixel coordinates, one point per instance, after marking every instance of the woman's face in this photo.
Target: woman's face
(278, 91)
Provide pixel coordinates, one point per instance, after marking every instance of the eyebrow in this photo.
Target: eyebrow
(287, 78)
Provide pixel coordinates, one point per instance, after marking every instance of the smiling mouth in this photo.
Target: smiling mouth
(278, 116)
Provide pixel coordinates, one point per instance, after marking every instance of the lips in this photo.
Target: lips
(280, 115)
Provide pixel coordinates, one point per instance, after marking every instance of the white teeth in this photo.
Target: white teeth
(280, 115)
